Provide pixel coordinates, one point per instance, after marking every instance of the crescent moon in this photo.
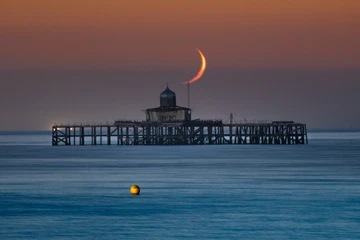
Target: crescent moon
(202, 69)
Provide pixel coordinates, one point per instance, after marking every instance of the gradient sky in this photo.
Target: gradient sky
(96, 61)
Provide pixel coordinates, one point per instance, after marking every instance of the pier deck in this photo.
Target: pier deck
(197, 132)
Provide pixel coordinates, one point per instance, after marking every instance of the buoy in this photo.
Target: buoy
(135, 190)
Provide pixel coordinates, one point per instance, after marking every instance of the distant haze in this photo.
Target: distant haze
(87, 61)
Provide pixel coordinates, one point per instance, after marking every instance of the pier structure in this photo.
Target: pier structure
(170, 124)
(173, 133)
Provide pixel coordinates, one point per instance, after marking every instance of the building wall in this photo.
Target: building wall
(168, 116)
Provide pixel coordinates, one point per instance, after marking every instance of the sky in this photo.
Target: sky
(97, 61)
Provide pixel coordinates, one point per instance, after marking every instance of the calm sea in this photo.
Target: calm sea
(195, 192)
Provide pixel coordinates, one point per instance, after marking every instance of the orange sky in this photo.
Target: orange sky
(164, 34)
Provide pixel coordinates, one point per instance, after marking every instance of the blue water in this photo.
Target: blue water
(195, 192)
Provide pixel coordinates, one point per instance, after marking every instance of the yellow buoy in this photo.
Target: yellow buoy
(135, 190)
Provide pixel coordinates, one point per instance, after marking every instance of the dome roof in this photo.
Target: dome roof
(167, 93)
(167, 98)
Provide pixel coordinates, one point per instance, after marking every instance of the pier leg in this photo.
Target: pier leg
(108, 135)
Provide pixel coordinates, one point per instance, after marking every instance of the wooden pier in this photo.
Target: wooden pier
(196, 132)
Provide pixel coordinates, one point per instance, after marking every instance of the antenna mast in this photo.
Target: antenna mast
(188, 88)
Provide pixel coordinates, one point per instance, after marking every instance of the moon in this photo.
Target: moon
(202, 69)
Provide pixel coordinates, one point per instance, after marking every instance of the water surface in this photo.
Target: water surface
(197, 192)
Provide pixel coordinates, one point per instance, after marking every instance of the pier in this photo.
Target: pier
(171, 124)
(179, 133)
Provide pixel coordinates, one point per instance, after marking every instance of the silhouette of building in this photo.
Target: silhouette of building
(168, 110)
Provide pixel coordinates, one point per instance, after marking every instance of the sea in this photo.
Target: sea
(187, 192)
